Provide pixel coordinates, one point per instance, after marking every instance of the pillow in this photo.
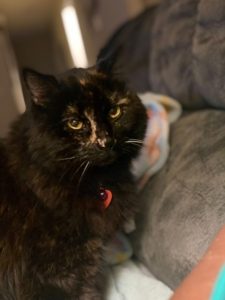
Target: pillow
(183, 206)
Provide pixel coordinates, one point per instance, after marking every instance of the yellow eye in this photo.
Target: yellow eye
(115, 112)
(75, 124)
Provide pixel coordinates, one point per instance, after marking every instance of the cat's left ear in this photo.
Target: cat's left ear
(106, 62)
(41, 87)
(105, 66)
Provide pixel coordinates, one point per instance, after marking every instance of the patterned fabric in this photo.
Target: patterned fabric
(162, 111)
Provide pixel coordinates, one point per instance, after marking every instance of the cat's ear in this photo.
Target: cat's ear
(105, 66)
(106, 62)
(41, 87)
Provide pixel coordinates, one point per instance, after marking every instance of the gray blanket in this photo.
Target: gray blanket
(183, 206)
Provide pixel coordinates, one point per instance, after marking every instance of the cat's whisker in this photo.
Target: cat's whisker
(135, 140)
(78, 169)
(138, 142)
(135, 143)
(64, 174)
(82, 174)
(68, 171)
(66, 158)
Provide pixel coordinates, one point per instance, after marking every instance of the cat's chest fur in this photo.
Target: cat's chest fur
(54, 225)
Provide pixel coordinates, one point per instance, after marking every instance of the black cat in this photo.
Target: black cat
(65, 184)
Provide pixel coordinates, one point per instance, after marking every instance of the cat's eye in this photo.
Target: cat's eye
(115, 112)
(75, 124)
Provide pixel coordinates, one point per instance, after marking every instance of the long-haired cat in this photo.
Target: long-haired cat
(65, 183)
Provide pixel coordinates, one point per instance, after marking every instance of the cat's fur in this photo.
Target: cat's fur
(53, 228)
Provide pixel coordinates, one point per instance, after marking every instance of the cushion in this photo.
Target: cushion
(183, 206)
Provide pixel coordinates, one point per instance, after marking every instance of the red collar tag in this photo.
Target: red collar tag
(105, 197)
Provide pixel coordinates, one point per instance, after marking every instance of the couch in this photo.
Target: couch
(177, 48)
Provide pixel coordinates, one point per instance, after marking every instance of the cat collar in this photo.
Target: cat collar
(105, 197)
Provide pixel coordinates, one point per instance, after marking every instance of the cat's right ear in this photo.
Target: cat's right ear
(41, 87)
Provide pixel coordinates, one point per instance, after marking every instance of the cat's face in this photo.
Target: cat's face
(84, 116)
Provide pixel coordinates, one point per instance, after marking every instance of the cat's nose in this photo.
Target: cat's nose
(106, 142)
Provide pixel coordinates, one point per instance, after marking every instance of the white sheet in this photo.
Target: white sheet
(130, 281)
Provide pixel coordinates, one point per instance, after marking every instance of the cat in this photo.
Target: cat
(65, 183)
